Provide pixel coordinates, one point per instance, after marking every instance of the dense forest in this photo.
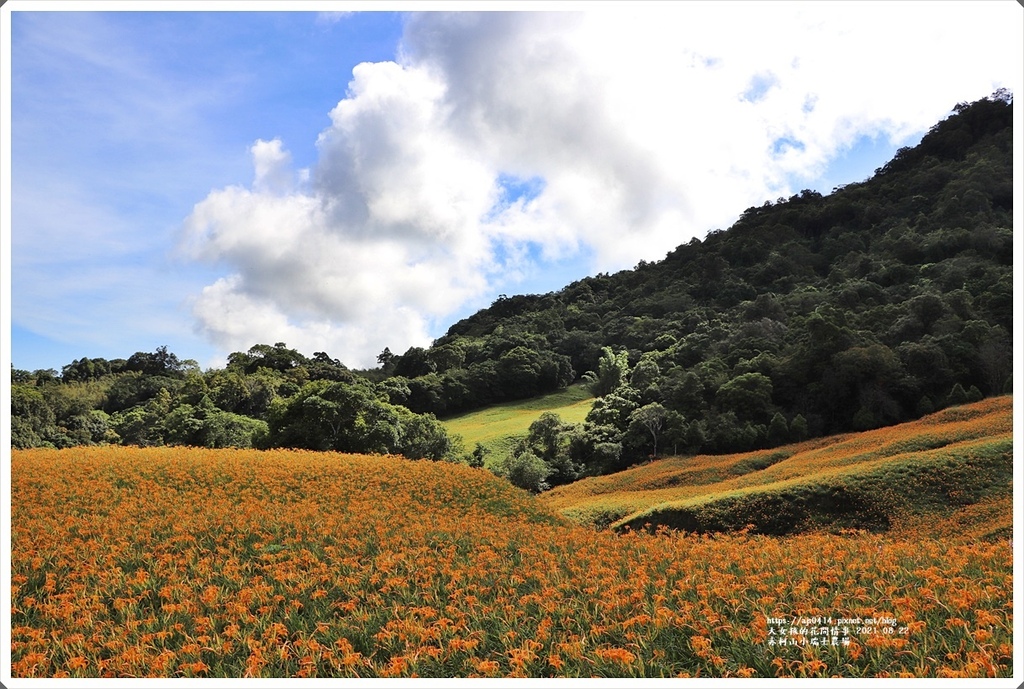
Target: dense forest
(270, 396)
(876, 304)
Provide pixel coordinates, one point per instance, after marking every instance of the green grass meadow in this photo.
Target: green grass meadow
(497, 428)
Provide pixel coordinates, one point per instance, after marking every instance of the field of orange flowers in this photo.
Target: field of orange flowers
(177, 562)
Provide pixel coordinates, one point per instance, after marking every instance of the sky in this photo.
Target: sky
(344, 180)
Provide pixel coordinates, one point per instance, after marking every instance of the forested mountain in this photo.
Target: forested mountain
(880, 302)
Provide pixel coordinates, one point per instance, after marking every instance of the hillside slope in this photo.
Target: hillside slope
(885, 300)
(874, 480)
(190, 562)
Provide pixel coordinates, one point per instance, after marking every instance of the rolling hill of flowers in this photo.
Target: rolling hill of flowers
(184, 562)
(874, 480)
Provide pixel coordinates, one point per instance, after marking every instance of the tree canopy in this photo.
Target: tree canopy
(882, 301)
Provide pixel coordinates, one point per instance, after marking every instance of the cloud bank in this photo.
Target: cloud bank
(497, 144)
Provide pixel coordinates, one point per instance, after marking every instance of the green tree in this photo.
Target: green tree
(748, 395)
(476, 460)
(32, 420)
(614, 408)
(645, 374)
(159, 363)
(612, 371)
(550, 439)
(394, 390)
(519, 372)
(684, 392)
(778, 430)
(446, 357)
(412, 364)
(695, 436)
(651, 418)
(861, 382)
(323, 367)
(798, 429)
(85, 369)
(327, 415)
(421, 436)
(143, 424)
(224, 429)
(204, 425)
(278, 357)
(593, 448)
(387, 361)
(182, 426)
(526, 470)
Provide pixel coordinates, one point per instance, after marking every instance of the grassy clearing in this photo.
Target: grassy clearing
(933, 466)
(498, 427)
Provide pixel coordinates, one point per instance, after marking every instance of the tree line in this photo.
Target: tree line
(269, 396)
(880, 302)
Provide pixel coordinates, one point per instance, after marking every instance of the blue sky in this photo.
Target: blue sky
(346, 181)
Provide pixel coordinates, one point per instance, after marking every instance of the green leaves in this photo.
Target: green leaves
(526, 470)
(350, 417)
(612, 371)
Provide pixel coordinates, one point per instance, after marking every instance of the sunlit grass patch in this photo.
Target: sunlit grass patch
(498, 427)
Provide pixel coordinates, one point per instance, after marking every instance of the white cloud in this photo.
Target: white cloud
(273, 167)
(644, 127)
(383, 239)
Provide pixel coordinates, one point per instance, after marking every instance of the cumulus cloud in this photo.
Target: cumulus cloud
(273, 167)
(499, 141)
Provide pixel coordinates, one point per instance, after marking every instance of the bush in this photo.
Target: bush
(527, 471)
